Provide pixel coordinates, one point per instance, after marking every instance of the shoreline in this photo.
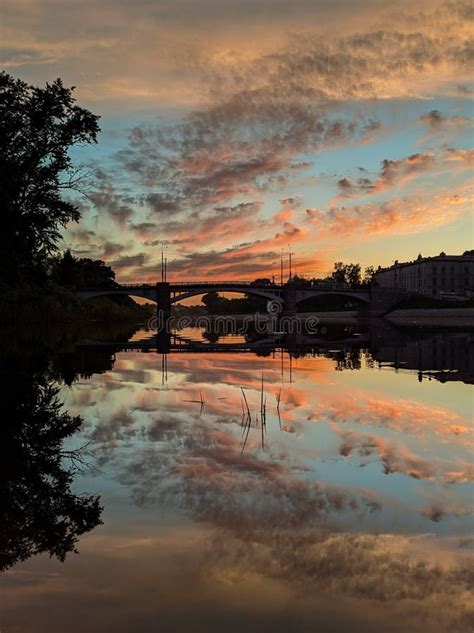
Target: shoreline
(435, 317)
(445, 315)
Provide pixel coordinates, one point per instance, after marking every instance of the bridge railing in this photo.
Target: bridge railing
(179, 283)
(112, 288)
(221, 283)
(194, 283)
(324, 285)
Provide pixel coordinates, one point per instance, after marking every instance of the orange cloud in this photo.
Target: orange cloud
(403, 215)
(395, 174)
(397, 458)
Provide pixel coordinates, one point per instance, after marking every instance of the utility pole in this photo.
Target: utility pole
(289, 254)
(162, 262)
(281, 267)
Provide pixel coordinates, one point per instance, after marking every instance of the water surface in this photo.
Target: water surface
(350, 510)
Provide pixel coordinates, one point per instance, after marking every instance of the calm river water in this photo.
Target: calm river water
(270, 485)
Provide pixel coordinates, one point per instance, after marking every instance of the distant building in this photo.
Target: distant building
(442, 274)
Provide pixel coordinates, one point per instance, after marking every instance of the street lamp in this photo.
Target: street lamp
(164, 261)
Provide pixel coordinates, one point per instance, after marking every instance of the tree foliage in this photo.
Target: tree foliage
(38, 126)
(68, 270)
(347, 273)
(249, 303)
(369, 276)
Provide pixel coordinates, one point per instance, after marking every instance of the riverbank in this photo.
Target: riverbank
(427, 316)
(447, 317)
(34, 305)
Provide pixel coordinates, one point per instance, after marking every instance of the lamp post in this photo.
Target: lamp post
(164, 261)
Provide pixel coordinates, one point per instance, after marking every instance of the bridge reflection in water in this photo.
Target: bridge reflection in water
(444, 356)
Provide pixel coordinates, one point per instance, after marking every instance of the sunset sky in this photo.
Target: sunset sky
(232, 128)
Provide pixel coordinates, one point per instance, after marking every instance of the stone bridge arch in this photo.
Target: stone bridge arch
(269, 294)
(303, 295)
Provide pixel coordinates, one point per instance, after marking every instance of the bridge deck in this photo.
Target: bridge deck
(178, 285)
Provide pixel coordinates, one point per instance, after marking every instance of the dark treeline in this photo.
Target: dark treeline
(68, 270)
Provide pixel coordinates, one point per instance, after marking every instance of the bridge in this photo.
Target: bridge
(375, 301)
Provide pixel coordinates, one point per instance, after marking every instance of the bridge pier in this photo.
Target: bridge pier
(163, 303)
(383, 301)
(289, 299)
(163, 342)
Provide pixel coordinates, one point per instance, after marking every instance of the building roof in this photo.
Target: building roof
(442, 257)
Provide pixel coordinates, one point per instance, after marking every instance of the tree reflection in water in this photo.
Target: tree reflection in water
(38, 510)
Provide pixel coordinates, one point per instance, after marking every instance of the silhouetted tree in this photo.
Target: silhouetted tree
(347, 273)
(63, 269)
(213, 302)
(261, 281)
(369, 276)
(339, 273)
(69, 270)
(353, 275)
(70, 366)
(38, 510)
(38, 126)
(299, 282)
